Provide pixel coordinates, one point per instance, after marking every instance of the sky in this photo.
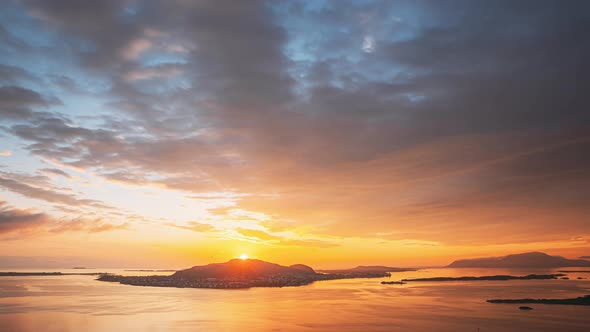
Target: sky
(331, 133)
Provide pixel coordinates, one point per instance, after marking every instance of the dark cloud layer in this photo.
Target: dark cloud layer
(465, 117)
(18, 103)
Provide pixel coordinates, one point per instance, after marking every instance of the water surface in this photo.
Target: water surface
(80, 303)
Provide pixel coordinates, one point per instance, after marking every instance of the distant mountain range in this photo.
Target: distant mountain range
(524, 260)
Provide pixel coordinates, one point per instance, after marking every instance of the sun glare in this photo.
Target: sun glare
(243, 256)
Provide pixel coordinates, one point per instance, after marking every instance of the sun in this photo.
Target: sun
(243, 256)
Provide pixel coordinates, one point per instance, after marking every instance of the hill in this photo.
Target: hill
(524, 260)
(243, 269)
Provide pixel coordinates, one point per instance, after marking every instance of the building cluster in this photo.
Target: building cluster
(277, 280)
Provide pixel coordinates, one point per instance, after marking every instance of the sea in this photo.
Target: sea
(81, 303)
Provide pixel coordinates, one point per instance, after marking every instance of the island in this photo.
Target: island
(393, 282)
(524, 260)
(583, 300)
(491, 278)
(239, 273)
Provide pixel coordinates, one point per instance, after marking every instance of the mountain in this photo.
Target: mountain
(524, 260)
(369, 269)
(244, 269)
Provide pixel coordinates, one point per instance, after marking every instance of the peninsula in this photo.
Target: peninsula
(491, 278)
(239, 273)
(46, 274)
(583, 300)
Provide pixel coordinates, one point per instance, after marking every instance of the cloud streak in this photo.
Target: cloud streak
(14, 219)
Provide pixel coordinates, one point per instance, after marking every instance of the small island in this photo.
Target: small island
(491, 278)
(240, 273)
(393, 282)
(583, 300)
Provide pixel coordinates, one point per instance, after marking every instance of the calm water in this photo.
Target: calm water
(80, 303)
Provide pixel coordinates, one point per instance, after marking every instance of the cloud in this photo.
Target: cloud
(468, 123)
(18, 103)
(194, 226)
(135, 48)
(368, 44)
(279, 240)
(152, 72)
(255, 233)
(48, 195)
(55, 171)
(13, 73)
(28, 223)
(86, 225)
(15, 220)
(6, 153)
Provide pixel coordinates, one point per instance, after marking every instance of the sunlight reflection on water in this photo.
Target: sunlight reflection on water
(80, 303)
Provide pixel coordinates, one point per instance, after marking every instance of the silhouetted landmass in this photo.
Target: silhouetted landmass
(243, 269)
(494, 278)
(31, 274)
(238, 273)
(584, 257)
(525, 260)
(524, 307)
(583, 300)
(393, 282)
(574, 271)
(365, 269)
